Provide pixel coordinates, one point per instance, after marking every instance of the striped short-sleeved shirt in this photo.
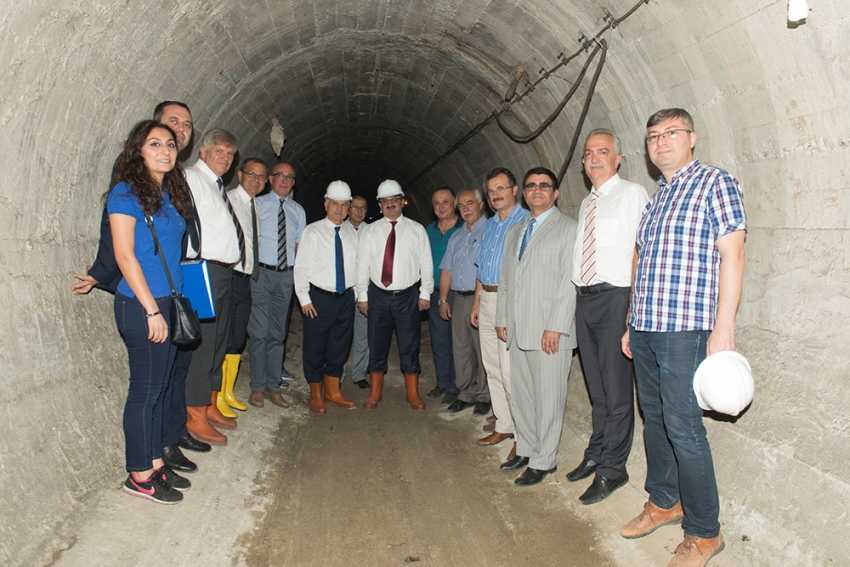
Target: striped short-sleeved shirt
(676, 282)
(492, 251)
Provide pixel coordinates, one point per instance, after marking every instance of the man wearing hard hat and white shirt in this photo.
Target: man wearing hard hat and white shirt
(395, 278)
(688, 275)
(325, 270)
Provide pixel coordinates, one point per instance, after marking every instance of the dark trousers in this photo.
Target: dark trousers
(327, 336)
(600, 325)
(174, 408)
(150, 371)
(466, 348)
(402, 311)
(440, 332)
(241, 312)
(204, 374)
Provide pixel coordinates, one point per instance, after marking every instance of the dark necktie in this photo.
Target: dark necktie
(340, 263)
(282, 262)
(255, 269)
(526, 237)
(240, 236)
(389, 255)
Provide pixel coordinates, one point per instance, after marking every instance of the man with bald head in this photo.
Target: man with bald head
(281, 222)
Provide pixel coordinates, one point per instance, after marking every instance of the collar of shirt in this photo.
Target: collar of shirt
(477, 225)
(204, 169)
(606, 187)
(515, 212)
(240, 193)
(694, 163)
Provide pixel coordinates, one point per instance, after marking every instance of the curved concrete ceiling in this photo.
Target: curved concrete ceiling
(370, 89)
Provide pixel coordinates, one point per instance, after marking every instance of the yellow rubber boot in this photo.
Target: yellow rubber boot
(218, 397)
(229, 371)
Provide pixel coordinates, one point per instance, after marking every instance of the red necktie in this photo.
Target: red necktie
(389, 254)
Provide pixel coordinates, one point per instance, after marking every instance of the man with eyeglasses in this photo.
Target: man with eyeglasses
(395, 278)
(360, 343)
(252, 175)
(689, 267)
(501, 190)
(534, 317)
(602, 272)
(281, 223)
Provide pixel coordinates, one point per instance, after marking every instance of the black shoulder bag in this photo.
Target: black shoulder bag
(185, 325)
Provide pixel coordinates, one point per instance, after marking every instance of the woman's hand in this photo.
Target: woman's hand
(157, 329)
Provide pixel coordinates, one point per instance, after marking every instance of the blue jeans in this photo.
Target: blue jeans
(678, 457)
(150, 371)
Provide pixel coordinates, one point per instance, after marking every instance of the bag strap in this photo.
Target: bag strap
(158, 251)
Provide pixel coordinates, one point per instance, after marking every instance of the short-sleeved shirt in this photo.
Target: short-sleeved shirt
(169, 226)
(439, 241)
(492, 251)
(460, 255)
(676, 282)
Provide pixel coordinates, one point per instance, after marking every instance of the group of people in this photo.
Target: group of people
(654, 281)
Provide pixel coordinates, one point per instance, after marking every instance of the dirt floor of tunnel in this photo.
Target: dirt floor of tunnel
(395, 486)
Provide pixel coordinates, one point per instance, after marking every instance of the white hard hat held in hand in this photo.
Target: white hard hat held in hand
(724, 383)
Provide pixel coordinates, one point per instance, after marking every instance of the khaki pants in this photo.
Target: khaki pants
(497, 363)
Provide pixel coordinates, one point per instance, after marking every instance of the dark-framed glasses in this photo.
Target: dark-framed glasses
(541, 186)
(284, 176)
(262, 177)
(668, 135)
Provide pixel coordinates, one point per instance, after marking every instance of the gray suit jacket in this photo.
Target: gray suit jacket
(536, 294)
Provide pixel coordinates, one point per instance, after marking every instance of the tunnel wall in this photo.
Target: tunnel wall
(770, 104)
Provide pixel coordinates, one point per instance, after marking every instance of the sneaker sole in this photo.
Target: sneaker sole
(670, 523)
(148, 497)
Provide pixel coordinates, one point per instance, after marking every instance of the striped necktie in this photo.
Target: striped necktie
(282, 261)
(240, 236)
(526, 237)
(588, 252)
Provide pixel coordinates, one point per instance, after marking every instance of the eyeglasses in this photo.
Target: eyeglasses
(491, 192)
(541, 186)
(668, 135)
(284, 177)
(262, 177)
(391, 199)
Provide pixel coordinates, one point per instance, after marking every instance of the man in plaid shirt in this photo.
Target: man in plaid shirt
(689, 267)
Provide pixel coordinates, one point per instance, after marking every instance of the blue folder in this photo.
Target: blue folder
(196, 288)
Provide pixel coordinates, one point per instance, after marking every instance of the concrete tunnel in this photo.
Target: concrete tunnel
(375, 89)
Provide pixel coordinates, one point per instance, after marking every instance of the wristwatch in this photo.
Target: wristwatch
(442, 301)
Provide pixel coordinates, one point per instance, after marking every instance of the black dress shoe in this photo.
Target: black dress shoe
(176, 460)
(601, 488)
(191, 444)
(532, 476)
(435, 393)
(481, 408)
(363, 384)
(459, 405)
(584, 470)
(449, 399)
(515, 463)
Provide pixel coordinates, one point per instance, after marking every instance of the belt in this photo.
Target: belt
(241, 274)
(490, 288)
(217, 263)
(393, 292)
(326, 292)
(274, 268)
(464, 293)
(596, 288)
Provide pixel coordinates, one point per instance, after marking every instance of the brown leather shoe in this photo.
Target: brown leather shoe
(200, 428)
(277, 399)
(332, 393)
(494, 438)
(489, 427)
(256, 399)
(411, 384)
(696, 551)
(652, 518)
(376, 385)
(216, 418)
(491, 418)
(317, 402)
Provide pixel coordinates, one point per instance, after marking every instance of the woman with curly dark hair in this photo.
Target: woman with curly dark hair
(148, 182)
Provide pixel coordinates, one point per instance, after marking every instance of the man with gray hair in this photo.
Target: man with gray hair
(222, 246)
(601, 271)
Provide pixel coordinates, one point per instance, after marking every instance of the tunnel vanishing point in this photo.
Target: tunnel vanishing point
(410, 89)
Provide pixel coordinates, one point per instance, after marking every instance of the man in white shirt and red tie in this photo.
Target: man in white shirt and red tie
(324, 283)
(395, 278)
(602, 270)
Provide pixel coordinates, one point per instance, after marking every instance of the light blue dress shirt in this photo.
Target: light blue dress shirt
(296, 220)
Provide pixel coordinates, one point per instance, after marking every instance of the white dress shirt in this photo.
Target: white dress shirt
(411, 263)
(241, 203)
(619, 208)
(316, 260)
(218, 233)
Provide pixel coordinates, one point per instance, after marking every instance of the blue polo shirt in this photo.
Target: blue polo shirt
(489, 259)
(439, 241)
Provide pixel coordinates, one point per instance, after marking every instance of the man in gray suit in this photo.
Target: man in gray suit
(534, 315)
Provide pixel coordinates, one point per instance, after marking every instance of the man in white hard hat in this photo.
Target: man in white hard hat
(324, 282)
(395, 278)
(689, 271)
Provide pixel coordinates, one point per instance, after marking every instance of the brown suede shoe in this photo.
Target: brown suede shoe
(652, 518)
(696, 551)
(494, 438)
(277, 399)
(256, 399)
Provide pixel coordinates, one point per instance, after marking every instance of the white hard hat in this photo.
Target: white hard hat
(338, 191)
(389, 188)
(724, 383)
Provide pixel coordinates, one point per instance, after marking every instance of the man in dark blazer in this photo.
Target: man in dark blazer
(534, 315)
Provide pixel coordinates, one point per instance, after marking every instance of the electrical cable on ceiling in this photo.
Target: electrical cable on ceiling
(602, 47)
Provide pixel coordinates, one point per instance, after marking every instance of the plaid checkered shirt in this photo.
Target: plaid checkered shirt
(676, 283)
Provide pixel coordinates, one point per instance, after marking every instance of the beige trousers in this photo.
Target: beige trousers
(497, 363)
